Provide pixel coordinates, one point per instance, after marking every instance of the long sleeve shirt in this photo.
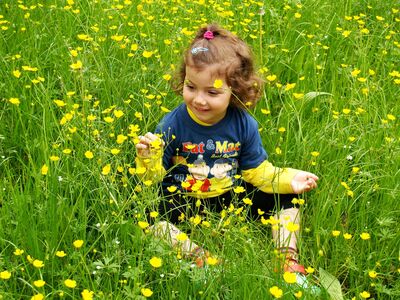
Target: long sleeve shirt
(207, 160)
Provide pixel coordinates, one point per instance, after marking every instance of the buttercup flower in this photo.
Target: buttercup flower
(87, 295)
(39, 283)
(5, 275)
(276, 292)
(218, 83)
(289, 277)
(156, 262)
(146, 292)
(18, 252)
(70, 283)
(78, 244)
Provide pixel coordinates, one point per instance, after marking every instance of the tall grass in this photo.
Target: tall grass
(339, 120)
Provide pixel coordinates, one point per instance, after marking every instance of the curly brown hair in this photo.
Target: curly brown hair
(234, 58)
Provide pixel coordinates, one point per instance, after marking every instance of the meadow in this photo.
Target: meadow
(80, 80)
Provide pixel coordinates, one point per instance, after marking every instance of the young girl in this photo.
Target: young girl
(211, 145)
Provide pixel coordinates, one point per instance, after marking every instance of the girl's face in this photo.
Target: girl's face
(208, 103)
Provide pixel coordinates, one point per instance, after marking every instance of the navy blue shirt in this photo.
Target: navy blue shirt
(207, 158)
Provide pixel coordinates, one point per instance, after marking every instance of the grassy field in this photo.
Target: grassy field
(81, 79)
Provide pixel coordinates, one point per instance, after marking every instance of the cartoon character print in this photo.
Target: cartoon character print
(223, 170)
(199, 171)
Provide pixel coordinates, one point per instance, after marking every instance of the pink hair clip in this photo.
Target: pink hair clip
(209, 35)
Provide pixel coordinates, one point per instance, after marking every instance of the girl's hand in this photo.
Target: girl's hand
(148, 142)
(304, 182)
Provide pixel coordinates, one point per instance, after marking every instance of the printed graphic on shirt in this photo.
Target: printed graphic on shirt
(206, 166)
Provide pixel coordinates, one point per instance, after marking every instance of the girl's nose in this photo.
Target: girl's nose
(199, 99)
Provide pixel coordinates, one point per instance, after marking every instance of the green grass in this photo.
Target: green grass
(354, 125)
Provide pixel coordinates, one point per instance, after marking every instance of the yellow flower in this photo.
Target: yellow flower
(298, 95)
(147, 54)
(346, 111)
(70, 283)
(290, 86)
(106, 169)
(347, 236)
(271, 78)
(298, 294)
(89, 154)
(346, 33)
(218, 83)
(171, 188)
(365, 236)
(239, 189)
(167, 77)
(39, 283)
(278, 151)
(78, 244)
(37, 297)
(146, 292)
(292, 227)
(276, 292)
(118, 113)
(17, 73)
(5, 275)
(115, 151)
(212, 261)
(365, 295)
(155, 262)
(67, 151)
(265, 111)
(297, 15)
(134, 47)
(372, 274)
(164, 109)
(18, 252)
(182, 237)
(38, 263)
(61, 253)
(315, 153)
(87, 295)
(76, 66)
(247, 201)
(14, 101)
(391, 117)
(355, 72)
(154, 214)
(310, 270)
(289, 277)
(143, 224)
(335, 233)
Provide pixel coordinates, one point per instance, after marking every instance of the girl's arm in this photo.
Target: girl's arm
(272, 179)
(149, 157)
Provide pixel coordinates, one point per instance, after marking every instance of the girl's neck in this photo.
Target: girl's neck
(196, 119)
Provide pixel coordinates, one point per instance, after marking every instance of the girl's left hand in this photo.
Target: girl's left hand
(304, 182)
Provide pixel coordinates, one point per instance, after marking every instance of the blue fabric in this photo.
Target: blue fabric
(213, 154)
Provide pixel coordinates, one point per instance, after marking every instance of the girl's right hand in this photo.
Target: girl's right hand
(147, 142)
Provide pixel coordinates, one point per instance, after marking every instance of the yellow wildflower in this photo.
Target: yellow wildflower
(276, 292)
(70, 283)
(155, 262)
(289, 277)
(78, 244)
(5, 275)
(146, 292)
(218, 83)
(39, 283)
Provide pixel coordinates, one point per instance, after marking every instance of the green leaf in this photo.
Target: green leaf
(331, 284)
(312, 95)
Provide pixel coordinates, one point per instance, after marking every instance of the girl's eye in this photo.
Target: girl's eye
(190, 87)
(213, 93)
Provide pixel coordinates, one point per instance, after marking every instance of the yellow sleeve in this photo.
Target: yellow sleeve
(150, 168)
(270, 179)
